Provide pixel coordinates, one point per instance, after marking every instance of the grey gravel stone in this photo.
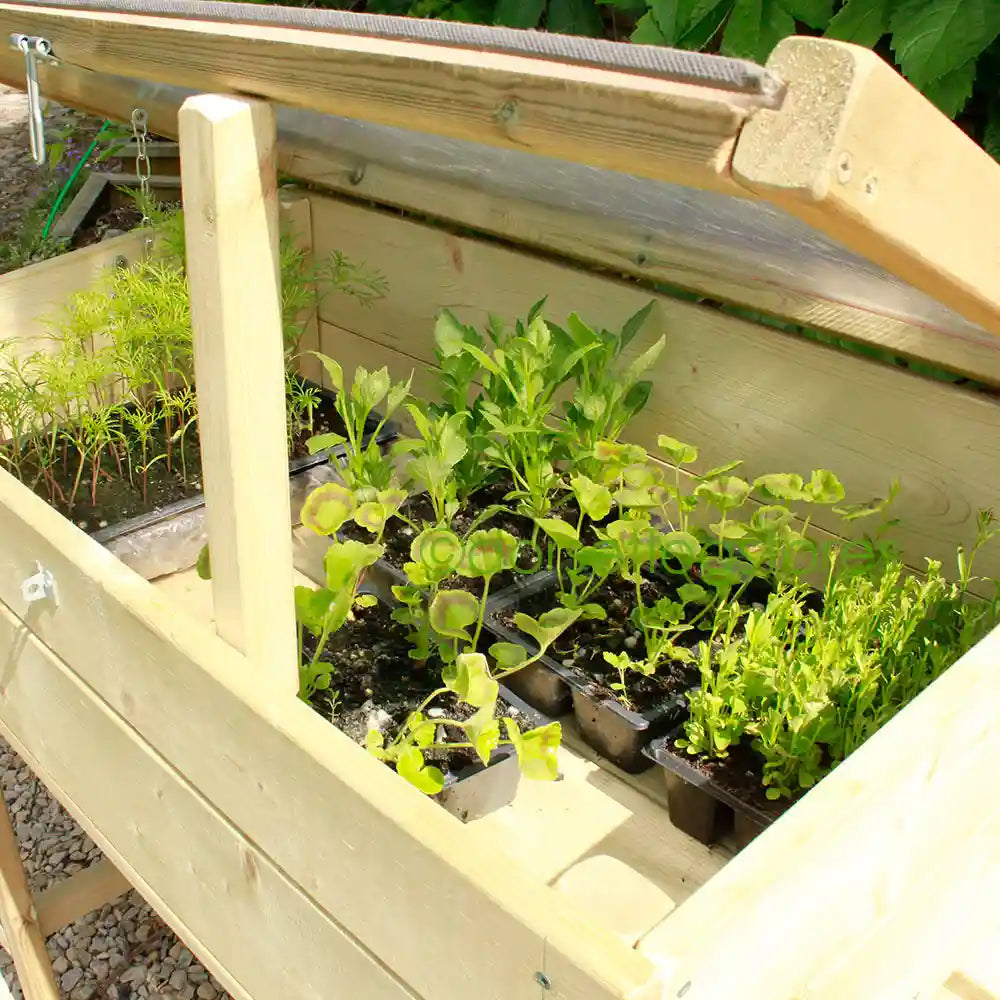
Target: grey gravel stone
(70, 979)
(206, 992)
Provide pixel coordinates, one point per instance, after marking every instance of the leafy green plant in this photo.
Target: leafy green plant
(363, 465)
(456, 617)
(521, 377)
(607, 395)
(434, 456)
(806, 687)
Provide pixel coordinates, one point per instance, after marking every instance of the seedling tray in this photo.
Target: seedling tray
(699, 805)
(615, 732)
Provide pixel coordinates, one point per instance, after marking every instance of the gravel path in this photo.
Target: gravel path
(123, 951)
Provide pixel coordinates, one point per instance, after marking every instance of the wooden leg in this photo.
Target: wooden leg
(19, 919)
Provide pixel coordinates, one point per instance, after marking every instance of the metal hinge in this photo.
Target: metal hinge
(39, 587)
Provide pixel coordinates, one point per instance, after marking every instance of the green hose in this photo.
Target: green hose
(72, 177)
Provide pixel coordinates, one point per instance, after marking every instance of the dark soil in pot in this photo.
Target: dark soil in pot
(582, 646)
(399, 536)
(111, 222)
(375, 683)
(111, 496)
(712, 798)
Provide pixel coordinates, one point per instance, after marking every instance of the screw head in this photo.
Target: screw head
(543, 981)
(507, 111)
(357, 175)
(845, 165)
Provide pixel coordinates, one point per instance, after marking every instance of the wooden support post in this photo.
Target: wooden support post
(19, 918)
(231, 231)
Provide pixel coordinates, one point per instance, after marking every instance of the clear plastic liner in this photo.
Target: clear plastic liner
(170, 543)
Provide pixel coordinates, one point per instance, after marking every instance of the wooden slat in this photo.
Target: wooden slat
(676, 254)
(72, 897)
(30, 295)
(666, 255)
(650, 127)
(872, 879)
(859, 153)
(19, 919)
(231, 235)
(296, 218)
(259, 934)
(735, 389)
(366, 847)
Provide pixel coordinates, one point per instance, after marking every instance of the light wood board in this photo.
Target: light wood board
(33, 295)
(260, 935)
(231, 236)
(860, 153)
(735, 389)
(647, 126)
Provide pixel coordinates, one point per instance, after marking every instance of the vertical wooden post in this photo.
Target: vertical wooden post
(19, 917)
(231, 230)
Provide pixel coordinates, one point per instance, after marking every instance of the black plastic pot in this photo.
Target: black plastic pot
(615, 732)
(179, 530)
(701, 807)
(479, 789)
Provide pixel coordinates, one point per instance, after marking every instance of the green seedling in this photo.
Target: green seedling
(363, 465)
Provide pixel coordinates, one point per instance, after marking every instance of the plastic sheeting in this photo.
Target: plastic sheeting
(741, 238)
(170, 541)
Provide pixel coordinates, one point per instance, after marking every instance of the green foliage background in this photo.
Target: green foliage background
(949, 49)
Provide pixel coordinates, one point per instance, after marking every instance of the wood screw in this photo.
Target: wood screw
(357, 175)
(543, 981)
(844, 164)
(507, 111)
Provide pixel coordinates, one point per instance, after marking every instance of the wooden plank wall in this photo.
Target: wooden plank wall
(736, 389)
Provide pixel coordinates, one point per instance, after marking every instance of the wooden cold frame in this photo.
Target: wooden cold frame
(324, 850)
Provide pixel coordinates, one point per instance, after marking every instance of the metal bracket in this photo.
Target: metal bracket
(34, 48)
(40, 587)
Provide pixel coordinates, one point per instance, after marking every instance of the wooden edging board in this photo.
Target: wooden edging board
(735, 389)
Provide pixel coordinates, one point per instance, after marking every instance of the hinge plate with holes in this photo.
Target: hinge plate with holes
(39, 587)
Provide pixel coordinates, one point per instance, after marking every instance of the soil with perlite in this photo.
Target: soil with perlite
(376, 685)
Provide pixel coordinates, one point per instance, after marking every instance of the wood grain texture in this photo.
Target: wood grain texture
(217, 890)
(364, 846)
(873, 880)
(859, 153)
(735, 389)
(19, 918)
(231, 235)
(650, 127)
(665, 255)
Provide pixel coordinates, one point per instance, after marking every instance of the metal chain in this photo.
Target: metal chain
(143, 168)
